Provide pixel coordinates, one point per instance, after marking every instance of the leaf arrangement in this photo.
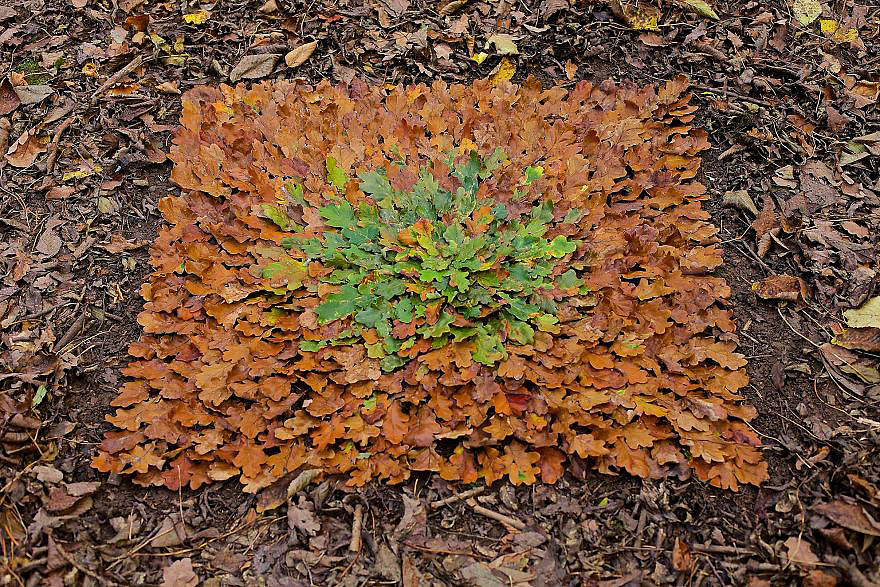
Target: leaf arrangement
(474, 280)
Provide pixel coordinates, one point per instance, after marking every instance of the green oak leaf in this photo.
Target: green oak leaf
(291, 270)
(335, 175)
(339, 305)
(276, 215)
(338, 215)
(533, 173)
(561, 246)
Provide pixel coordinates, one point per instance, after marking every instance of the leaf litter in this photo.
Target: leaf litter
(762, 74)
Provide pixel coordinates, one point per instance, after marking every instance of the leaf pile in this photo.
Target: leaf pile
(475, 280)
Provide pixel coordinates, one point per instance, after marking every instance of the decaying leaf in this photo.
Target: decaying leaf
(863, 339)
(25, 150)
(849, 515)
(254, 66)
(781, 287)
(806, 11)
(640, 16)
(866, 316)
(504, 44)
(504, 72)
(336, 291)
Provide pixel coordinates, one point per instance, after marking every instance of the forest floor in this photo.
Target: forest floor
(89, 100)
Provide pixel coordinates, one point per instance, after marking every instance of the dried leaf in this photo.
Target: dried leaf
(781, 287)
(866, 316)
(180, 573)
(850, 516)
(25, 150)
(300, 55)
(254, 66)
(504, 44)
(806, 11)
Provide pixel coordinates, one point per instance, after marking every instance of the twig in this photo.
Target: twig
(640, 529)
(356, 524)
(133, 64)
(444, 551)
(718, 549)
(506, 520)
(795, 331)
(71, 332)
(53, 148)
(730, 94)
(457, 497)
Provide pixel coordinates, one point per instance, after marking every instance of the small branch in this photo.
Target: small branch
(457, 497)
(133, 64)
(56, 141)
(506, 520)
(718, 549)
(730, 94)
(356, 525)
(71, 332)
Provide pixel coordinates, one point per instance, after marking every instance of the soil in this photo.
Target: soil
(588, 529)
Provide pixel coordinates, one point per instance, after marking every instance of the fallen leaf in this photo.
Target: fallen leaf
(701, 8)
(800, 552)
(193, 18)
(739, 199)
(682, 560)
(817, 578)
(25, 150)
(867, 316)
(299, 55)
(302, 517)
(9, 100)
(33, 94)
(180, 573)
(171, 533)
(254, 66)
(640, 16)
(863, 339)
(504, 44)
(781, 287)
(806, 11)
(837, 31)
(49, 243)
(504, 72)
(850, 516)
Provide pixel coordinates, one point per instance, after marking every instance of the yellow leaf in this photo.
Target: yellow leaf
(504, 71)
(196, 17)
(701, 8)
(806, 11)
(867, 316)
(837, 31)
(479, 57)
(639, 16)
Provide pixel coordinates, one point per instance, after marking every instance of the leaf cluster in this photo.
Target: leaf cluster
(479, 281)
